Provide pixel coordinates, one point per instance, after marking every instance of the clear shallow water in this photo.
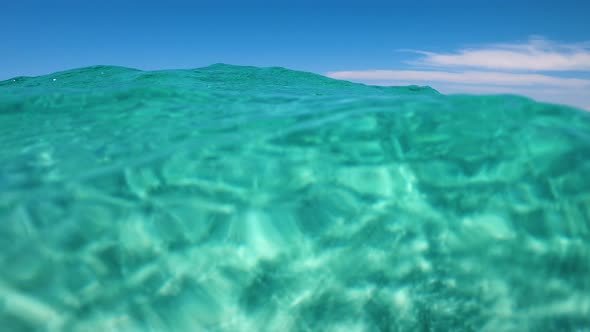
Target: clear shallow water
(246, 199)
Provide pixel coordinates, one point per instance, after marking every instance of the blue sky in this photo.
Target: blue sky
(535, 48)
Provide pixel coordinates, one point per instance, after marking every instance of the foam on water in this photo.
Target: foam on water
(262, 199)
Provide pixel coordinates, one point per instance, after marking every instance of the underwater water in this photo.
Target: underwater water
(234, 198)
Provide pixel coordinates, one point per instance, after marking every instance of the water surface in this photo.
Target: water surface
(263, 199)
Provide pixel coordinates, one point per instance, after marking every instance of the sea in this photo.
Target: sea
(233, 198)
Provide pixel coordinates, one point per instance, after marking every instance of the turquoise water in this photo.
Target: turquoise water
(263, 199)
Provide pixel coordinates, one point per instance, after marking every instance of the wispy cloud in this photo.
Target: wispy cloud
(538, 54)
(467, 77)
(541, 69)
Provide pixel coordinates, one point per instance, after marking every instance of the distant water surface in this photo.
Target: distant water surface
(263, 199)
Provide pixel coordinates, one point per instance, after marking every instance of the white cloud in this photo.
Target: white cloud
(467, 77)
(575, 92)
(538, 54)
(519, 68)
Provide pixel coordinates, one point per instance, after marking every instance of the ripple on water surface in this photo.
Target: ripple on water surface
(262, 199)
